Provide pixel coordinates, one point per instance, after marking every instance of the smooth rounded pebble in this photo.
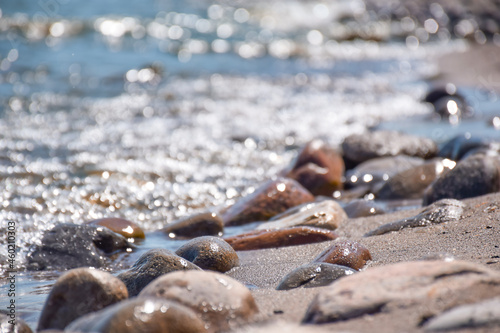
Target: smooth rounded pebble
(6, 321)
(203, 224)
(208, 252)
(345, 253)
(362, 207)
(325, 214)
(315, 274)
(461, 145)
(78, 292)
(264, 239)
(126, 228)
(219, 300)
(151, 265)
(70, 245)
(152, 315)
(271, 198)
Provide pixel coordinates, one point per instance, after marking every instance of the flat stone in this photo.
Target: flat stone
(470, 315)
(345, 253)
(70, 245)
(203, 224)
(6, 321)
(126, 228)
(151, 265)
(442, 211)
(324, 214)
(315, 274)
(271, 198)
(152, 315)
(208, 252)
(78, 292)
(358, 148)
(220, 301)
(476, 175)
(264, 239)
(362, 207)
(433, 283)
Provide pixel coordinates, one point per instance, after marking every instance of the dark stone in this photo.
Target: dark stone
(263, 239)
(271, 198)
(346, 253)
(442, 211)
(126, 228)
(361, 207)
(151, 265)
(474, 176)
(78, 292)
(209, 252)
(204, 224)
(152, 315)
(460, 145)
(219, 300)
(448, 103)
(6, 325)
(358, 148)
(315, 274)
(70, 245)
(318, 168)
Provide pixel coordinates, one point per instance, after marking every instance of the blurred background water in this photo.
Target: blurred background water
(157, 109)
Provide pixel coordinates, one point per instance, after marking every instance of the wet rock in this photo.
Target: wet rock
(151, 265)
(318, 168)
(474, 176)
(442, 211)
(380, 169)
(78, 292)
(460, 145)
(346, 253)
(126, 228)
(264, 239)
(325, 214)
(470, 315)
(70, 245)
(12, 324)
(448, 103)
(220, 301)
(153, 315)
(362, 207)
(358, 148)
(204, 224)
(271, 198)
(209, 252)
(315, 274)
(434, 284)
(411, 183)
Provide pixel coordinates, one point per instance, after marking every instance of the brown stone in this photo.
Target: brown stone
(78, 292)
(152, 315)
(345, 253)
(220, 301)
(7, 327)
(210, 253)
(263, 239)
(204, 224)
(271, 198)
(121, 226)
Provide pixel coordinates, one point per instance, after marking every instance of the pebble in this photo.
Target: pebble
(151, 265)
(448, 103)
(362, 207)
(467, 316)
(412, 183)
(152, 315)
(428, 284)
(219, 300)
(78, 292)
(126, 228)
(208, 252)
(271, 198)
(19, 327)
(264, 239)
(70, 245)
(442, 211)
(358, 148)
(203, 224)
(460, 145)
(474, 176)
(345, 253)
(315, 274)
(325, 214)
(318, 168)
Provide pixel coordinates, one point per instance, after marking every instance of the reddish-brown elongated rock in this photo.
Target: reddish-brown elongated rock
(121, 226)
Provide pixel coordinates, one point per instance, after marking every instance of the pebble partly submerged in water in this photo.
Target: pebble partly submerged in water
(121, 226)
(203, 224)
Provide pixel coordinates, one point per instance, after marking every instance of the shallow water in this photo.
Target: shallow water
(154, 111)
